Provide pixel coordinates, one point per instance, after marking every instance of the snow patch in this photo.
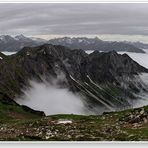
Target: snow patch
(64, 121)
(89, 51)
(8, 53)
(28, 53)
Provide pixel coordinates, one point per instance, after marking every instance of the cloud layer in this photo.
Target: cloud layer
(77, 19)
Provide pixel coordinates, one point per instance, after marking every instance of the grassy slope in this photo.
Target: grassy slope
(109, 126)
(10, 113)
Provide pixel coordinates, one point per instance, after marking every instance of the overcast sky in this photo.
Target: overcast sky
(105, 20)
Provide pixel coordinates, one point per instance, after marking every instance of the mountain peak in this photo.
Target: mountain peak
(5, 38)
(21, 37)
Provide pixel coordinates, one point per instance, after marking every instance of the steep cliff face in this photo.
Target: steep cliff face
(106, 79)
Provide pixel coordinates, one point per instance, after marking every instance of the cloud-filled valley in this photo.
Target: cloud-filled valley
(51, 99)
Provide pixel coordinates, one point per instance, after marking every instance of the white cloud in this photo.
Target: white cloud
(74, 19)
(51, 99)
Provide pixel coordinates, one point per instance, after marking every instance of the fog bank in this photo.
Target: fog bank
(51, 99)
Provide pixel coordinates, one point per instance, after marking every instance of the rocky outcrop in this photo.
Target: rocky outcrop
(111, 126)
(137, 116)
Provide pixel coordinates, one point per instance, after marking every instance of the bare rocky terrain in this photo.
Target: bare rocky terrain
(129, 125)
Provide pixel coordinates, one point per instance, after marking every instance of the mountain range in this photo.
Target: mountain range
(97, 76)
(9, 43)
(138, 44)
(103, 79)
(95, 44)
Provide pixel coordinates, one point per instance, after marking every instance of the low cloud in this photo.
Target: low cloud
(52, 99)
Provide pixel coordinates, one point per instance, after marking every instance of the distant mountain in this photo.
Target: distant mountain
(9, 43)
(22, 38)
(106, 79)
(138, 44)
(94, 44)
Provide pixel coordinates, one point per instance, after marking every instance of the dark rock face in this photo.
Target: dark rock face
(95, 44)
(98, 76)
(28, 109)
(109, 66)
(6, 99)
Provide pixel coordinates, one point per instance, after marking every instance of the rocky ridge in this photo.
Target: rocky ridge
(97, 76)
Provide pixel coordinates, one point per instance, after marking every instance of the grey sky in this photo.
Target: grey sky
(74, 19)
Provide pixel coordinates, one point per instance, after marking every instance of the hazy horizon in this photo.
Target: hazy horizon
(108, 21)
(102, 37)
